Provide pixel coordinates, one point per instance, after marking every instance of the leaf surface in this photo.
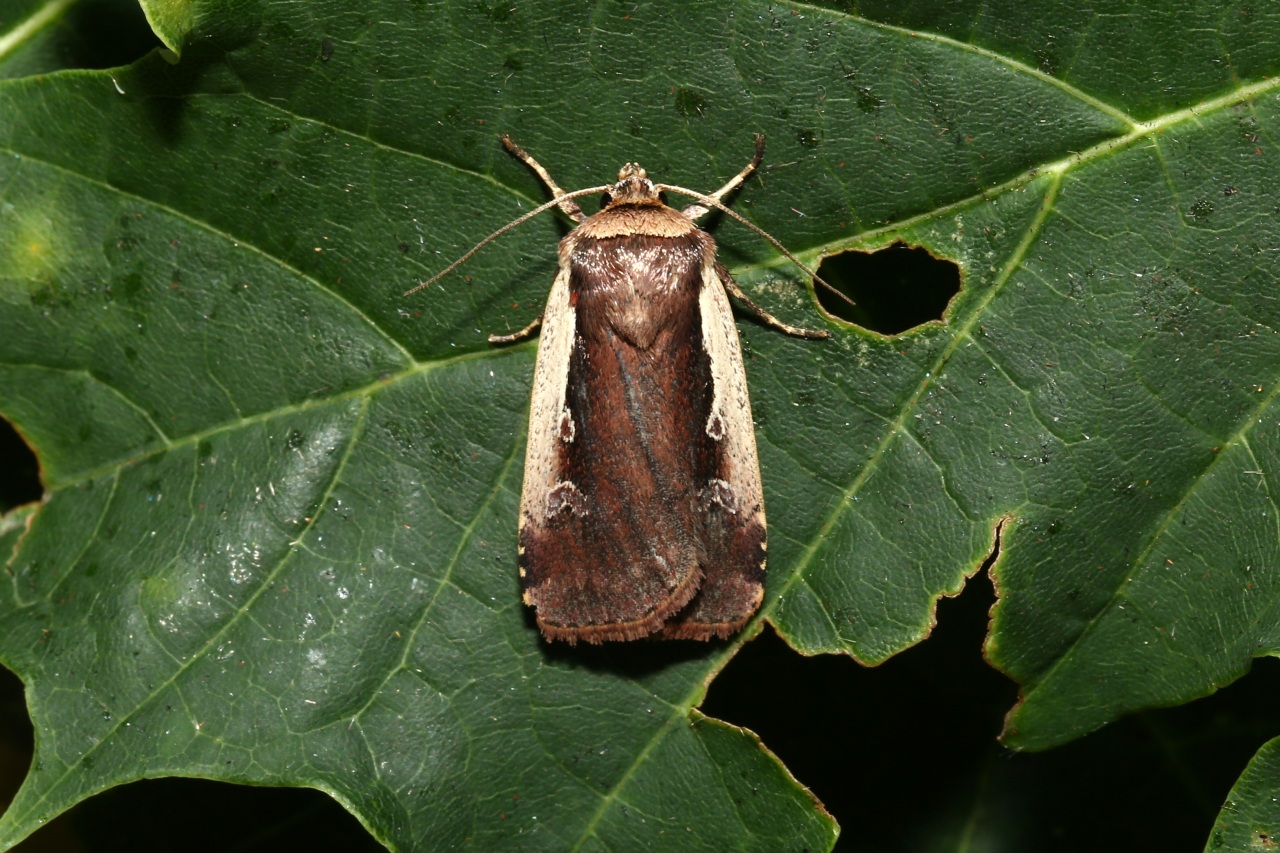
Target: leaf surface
(1249, 819)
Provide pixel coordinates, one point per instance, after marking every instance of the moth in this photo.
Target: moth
(642, 513)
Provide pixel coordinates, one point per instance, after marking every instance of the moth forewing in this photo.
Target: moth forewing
(612, 543)
(642, 513)
(732, 503)
(547, 409)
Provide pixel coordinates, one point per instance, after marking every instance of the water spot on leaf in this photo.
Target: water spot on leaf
(867, 101)
(129, 286)
(1046, 63)
(497, 12)
(279, 31)
(127, 242)
(43, 296)
(689, 103)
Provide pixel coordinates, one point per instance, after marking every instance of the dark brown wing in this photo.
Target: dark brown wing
(731, 499)
(613, 547)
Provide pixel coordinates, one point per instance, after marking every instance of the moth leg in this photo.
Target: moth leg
(569, 206)
(517, 336)
(697, 211)
(732, 286)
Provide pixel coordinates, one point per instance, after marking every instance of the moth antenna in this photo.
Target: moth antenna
(571, 208)
(505, 228)
(719, 205)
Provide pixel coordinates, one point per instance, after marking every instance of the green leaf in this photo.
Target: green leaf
(278, 544)
(1250, 818)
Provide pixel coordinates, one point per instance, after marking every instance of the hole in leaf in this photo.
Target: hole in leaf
(860, 738)
(19, 470)
(162, 815)
(896, 288)
(906, 752)
(104, 34)
(17, 739)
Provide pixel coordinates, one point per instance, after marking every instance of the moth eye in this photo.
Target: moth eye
(662, 197)
(604, 200)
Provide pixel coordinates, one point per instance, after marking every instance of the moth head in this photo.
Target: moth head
(633, 187)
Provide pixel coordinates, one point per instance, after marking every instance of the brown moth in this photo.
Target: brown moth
(642, 513)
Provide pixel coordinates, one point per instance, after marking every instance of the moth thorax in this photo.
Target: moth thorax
(633, 187)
